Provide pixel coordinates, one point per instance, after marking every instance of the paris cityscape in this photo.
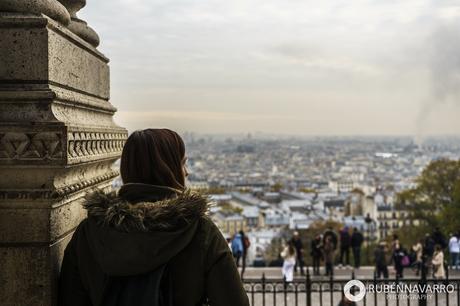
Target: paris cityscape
(229, 153)
(271, 186)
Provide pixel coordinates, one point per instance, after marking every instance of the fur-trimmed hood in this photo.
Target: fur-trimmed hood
(141, 227)
(164, 209)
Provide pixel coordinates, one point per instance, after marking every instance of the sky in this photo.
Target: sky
(292, 67)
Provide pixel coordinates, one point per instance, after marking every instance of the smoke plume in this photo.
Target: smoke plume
(444, 65)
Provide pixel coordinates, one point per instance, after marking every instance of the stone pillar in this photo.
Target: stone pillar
(57, 140)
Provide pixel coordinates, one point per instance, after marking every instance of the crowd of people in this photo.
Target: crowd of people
(427, 253)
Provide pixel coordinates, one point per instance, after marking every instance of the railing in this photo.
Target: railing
(328, 291)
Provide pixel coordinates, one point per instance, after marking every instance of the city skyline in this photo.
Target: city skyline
(291, 68)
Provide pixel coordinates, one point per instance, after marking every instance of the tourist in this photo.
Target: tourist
(380, 257)
(152, 240)
(329, 252)
(289, 256)
(316, 253)
(297, 242)
(438, 263)
(330, 233)
(246, 245)
(345, 242)
(356, 242)
(428, 251)
(237, 248)
(418, 260)
(400, 259)
(395, 243)
(454, 251)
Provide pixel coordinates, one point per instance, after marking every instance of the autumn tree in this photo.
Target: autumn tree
(435, 200)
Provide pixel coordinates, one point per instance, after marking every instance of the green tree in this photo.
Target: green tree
(307, 190)
(229, 208)
(435, 200)
(277, 187)
(212, 190)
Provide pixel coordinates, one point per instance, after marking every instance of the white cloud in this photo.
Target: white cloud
(272, 57)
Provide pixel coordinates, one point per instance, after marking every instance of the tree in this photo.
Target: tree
(227, 207)
(307, 190)
(212, 190)
(435, 201)
(277, 187)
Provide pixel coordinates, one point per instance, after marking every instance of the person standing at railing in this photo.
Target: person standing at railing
(316, 253)
(237, 248)
(356, 242)
(400, 259)
(289, 256)
(438, 263)
(329, 252)
(298, 245)
(345, 242)
(428, 251)
(418, 250)
(330, 233)
(380, 257)
(246, 245)
(454, 250)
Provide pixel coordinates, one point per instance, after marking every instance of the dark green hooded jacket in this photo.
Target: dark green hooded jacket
(140, 229)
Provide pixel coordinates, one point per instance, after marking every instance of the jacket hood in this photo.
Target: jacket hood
(142, 227)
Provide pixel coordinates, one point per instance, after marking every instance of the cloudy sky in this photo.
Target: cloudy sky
(283, 66)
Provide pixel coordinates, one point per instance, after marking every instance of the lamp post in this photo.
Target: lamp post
(368, 221)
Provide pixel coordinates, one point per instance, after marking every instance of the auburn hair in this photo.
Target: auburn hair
(154, 156)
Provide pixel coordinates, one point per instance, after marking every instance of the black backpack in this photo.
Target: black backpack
(150, 289)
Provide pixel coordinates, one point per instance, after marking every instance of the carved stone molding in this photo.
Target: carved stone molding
(50, 8)
(83, 144)
(47, 146)
(52, 146)
(56, 194)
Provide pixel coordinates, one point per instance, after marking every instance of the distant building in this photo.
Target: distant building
(276, 218)
(342, 186)
(198, 185)
(229, 223)
(252, 217)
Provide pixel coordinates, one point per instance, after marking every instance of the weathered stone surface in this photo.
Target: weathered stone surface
(30, 273)
(25, 276)
(57, 142)
(89, 70)
(79, 26)
(82, 29)
(30, 224)
(51, 8)
(25, 225)
(44, 52)
(24, 53)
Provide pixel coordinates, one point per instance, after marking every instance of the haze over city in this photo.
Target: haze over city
(283, 67)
